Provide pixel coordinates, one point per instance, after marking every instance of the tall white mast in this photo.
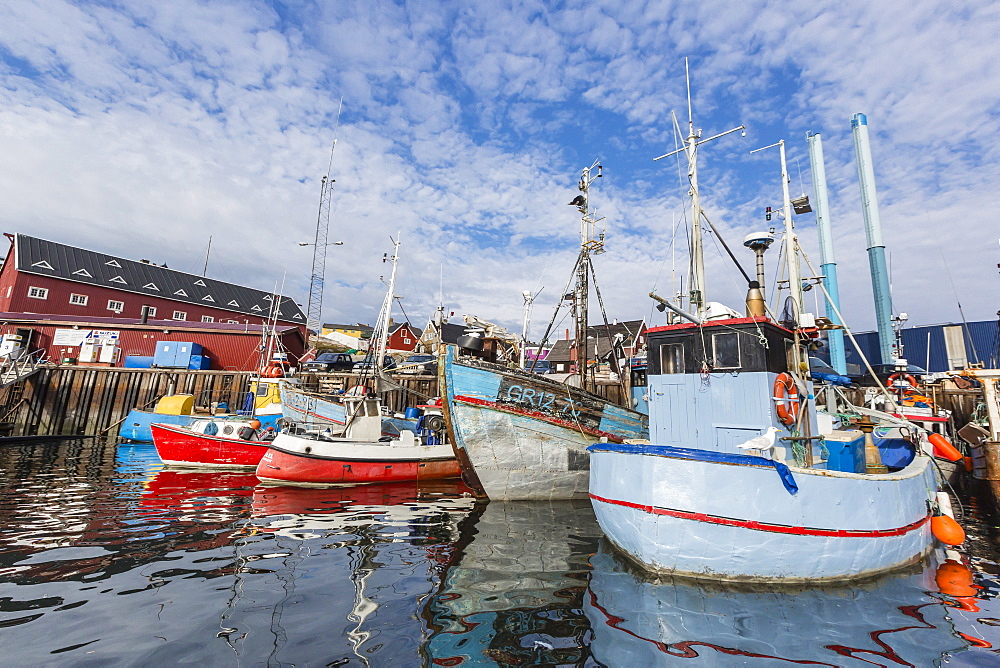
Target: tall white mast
(590, 243)
(692, 142)
(382, 326)
(791, 240)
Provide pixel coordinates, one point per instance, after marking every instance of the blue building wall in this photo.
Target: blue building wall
(924, 346)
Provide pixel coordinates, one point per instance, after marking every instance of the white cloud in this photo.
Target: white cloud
(142, 129)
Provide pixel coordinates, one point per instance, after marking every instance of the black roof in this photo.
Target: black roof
(628, 328)
(48, 258)
(451, 332)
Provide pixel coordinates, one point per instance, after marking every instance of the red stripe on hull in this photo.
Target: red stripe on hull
(281, 466)
(568, 424)
(186, 448)
(765, 526)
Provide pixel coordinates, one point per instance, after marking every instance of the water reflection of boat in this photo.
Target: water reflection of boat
(512, 593)
(278, 500)
(637, 620)
(367, 553)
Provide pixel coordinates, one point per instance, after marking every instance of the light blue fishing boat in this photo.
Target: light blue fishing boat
(737, 482)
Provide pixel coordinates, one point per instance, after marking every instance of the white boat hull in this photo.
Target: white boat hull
(525, 437)
(729, 521)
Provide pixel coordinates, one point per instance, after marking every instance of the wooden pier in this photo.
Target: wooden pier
(92, 401)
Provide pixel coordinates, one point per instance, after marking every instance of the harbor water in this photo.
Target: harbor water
(108, 558)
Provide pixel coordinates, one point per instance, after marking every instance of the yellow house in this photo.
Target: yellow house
(357, 331)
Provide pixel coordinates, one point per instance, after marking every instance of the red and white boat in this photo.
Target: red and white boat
(230, 444)
(360, 456)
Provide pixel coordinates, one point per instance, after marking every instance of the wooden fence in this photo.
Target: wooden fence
(76, 400)
(90, 400)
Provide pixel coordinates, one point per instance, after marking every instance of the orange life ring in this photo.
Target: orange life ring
(786, 398)
(905, 376)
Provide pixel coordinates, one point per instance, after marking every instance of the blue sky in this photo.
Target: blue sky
(140, 129)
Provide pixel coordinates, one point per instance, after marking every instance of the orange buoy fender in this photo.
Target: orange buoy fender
(905, 376)
(255, 424)
(947, 530)
(942, 448)
(786, 398)
(955, 579)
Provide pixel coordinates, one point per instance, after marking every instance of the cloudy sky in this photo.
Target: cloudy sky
(142, 128)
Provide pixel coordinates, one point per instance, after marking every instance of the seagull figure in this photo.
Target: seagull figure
(762, 444)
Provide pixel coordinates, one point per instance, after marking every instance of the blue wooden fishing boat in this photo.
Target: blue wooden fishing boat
(736, 481)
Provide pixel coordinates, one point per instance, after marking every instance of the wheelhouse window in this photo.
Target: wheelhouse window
(38, 293)
(116, 306)
(672, 358)
(79, 300)
(207, 318)
(726, 350)
(180, 315)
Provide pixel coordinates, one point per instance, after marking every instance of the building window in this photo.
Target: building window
(38, 293)
(207, 318)
(180, 315)
(116, 306)
(406, 342)
(235, 322)
(150, 311)
(79, 300)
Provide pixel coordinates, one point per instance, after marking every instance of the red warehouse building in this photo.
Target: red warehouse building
(78, 289)
(116, 341)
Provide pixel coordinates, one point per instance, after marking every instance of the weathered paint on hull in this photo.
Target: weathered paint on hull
(521, 436)
(177, 446)
(310, 462)
(669, 516)
(311, 410)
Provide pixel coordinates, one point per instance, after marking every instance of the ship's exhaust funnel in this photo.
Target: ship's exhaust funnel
(828, 265)
(873, 231)
(755, 301)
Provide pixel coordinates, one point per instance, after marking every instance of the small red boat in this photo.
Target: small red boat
(301, 460)
(236, 445)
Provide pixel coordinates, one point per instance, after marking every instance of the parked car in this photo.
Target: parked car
(820, 370)
(330, 362)
(420, 364)
(884, 371)
(541, 366)
(367, 364)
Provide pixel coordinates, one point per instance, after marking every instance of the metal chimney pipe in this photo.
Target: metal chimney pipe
(828, 266)
(145, 314)
(873, 230)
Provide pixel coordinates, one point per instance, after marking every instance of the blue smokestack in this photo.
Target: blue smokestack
(835, 337)
(873, 230)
